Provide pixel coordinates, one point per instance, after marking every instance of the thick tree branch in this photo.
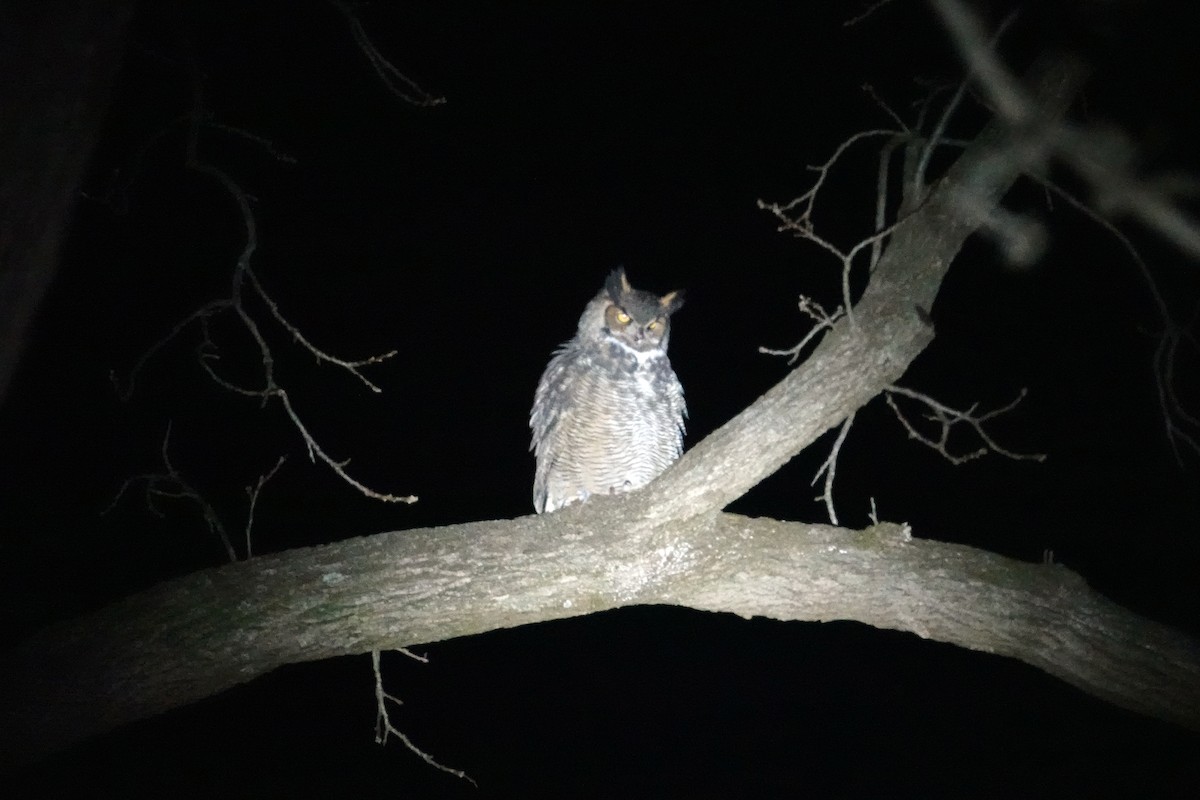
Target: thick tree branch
(196, 636)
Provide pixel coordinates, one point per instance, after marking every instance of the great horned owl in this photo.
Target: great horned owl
(608, 413)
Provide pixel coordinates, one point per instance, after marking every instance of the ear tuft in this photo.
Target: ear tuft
(617, 285)
(672, 302)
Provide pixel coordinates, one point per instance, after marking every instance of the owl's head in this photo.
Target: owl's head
(637, 319)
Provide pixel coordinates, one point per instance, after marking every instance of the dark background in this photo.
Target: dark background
(577, 137)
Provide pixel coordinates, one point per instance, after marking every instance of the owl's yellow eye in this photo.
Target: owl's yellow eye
(653, 326)
(622, 317)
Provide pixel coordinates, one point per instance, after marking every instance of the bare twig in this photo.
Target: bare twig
(829, 470)
(1182, 427)
(824, 321)
(802, 227)
(866, 12)
(172, 485)
(809, 198)
(339, 467)
(917, 186)
(200, 314)
(243, 273)
(412, 655)
(396, 81)
(384, 727)
(350, 366)
(947, 418)
(263, 142)
(796, 216)
(271, 388)
(252, 492)
(887, 109)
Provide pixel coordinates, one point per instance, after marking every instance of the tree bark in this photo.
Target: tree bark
(670, 543)
(199, 635)
(58, 59)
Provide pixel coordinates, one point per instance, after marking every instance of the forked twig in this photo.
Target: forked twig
(828, 468)
(171, 485)
(947, 417)
(384, 727)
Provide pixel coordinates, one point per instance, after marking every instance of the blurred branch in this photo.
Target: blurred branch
(1100, 156)
(1105, 160)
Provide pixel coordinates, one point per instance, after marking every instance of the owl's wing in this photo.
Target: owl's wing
(679, 407)
(676, 405)
(550, 402)
(550, 399)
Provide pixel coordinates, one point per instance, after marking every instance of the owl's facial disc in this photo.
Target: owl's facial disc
(636, 334)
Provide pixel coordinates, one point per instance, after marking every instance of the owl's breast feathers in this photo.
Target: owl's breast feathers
(606, 418)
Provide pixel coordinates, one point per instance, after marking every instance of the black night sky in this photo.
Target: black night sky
(577, 137)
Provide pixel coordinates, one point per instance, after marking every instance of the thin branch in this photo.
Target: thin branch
(297, 336)
(802, 227)
(270, 389)
(829, 469)
(385, 728)
(801, 224)
(1175, 416)
(172, 485)
(935, 137)
(202, 313)
(865, 13)
(809, 198)
(396, 81)
(824, 321)
(887, 109)
(405, 651)
(253, 492)
(263, 142)
(207, 353)
(339, 467)
(947, 418)
(1166, 355)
